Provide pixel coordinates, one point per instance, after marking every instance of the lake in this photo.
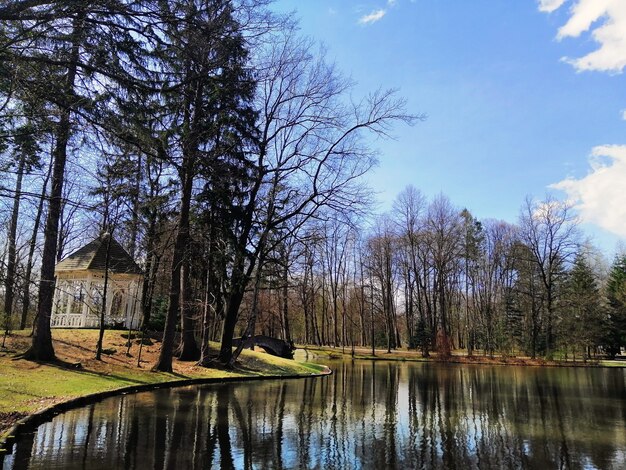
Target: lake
(371, 415)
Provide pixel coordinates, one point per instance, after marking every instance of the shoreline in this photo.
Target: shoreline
(33, 392)
(33, 420)
(95, 381)
(329, 352)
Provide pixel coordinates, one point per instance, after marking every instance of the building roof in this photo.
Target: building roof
(92, 257)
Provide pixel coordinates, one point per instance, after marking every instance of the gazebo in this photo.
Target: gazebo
(80, 287)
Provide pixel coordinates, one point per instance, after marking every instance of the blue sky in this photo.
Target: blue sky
(520, 96)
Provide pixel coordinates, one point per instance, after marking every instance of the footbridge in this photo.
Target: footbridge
(273, 346)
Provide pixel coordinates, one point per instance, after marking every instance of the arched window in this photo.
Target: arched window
(77, 297)
(96, 299)
(117, 305)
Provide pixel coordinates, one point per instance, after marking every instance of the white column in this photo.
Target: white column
(56, 299)
(55, 303)
(68, 290)
(131, 311)
(86, 299)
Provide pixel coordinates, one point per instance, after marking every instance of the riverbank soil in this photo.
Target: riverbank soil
(27, 387)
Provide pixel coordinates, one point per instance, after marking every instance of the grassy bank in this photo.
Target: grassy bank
(27, 387)
(327, 352)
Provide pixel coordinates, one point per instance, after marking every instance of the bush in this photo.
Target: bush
(159, 312)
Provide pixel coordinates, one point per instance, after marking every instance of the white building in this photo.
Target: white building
(80, 287)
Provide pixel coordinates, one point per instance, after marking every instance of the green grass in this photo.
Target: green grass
(608, 363)
(24, 384)
(23, 388)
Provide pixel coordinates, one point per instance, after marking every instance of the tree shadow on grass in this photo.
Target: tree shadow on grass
(89, 350)
(78, 368)
(73, 345)
(246, 370)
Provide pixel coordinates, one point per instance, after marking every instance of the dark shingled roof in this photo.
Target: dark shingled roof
(93, 257)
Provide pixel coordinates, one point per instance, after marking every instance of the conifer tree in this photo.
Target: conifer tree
(581, 314)
(211, 118)
(614, 337)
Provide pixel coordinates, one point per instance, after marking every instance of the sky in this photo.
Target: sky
(522, 98)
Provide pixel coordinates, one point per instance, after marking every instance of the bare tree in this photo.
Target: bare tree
(549, 230)
(26, 300)
(408, 209)
(444, 236)
(311, 152)
(382, 266)
(336, 250)
(491, 278)
(9, 281)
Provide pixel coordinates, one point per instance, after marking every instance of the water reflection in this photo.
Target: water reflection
(366, 415)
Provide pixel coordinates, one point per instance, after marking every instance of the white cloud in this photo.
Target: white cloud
(548, 6)
(373, 17)
(600, 197)
(606, 21)
(391, 3)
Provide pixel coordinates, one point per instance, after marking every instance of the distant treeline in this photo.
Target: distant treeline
(430, 276)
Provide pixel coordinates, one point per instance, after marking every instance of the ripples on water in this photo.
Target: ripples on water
(367, 415)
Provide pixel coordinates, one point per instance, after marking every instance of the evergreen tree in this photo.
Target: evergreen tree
(472, 240)
(580, 325)
(203, 56)
(614, 337)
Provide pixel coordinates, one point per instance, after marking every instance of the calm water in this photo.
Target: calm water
(367, 415)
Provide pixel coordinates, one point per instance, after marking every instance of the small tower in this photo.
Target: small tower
(80, 287)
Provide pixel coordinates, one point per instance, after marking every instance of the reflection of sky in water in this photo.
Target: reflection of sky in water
(378, 416)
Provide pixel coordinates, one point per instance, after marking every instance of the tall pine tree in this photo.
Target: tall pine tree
(203, 55)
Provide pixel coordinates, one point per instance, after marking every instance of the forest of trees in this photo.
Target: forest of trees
(225, 152)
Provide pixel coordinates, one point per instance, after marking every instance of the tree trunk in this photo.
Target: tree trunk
(164, 362)
(152, 267)
(31, 251)
(549, 308)
(253, 314)
(285, 306)
(189, 350)
(106, 239)
(134, 224)
(206, 317)
(9, 281)
(228, 329)
(41, 348)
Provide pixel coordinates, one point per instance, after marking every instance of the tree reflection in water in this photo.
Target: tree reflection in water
(366, 415)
